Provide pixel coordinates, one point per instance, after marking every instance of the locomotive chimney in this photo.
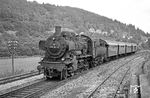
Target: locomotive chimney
(57, 30)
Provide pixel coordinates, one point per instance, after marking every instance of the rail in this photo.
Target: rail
(92, 93)
(120, 83)
(18, 77)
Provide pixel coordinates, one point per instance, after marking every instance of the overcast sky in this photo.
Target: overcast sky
(136, 12)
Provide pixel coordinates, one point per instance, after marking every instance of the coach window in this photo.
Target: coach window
(106, 45)
(113, 46)
(94, 44)
(101, 44)
(116, 46)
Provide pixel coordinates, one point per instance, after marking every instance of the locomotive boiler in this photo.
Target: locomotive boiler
(65, 53)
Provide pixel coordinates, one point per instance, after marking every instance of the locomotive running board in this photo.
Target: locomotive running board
(83, 56)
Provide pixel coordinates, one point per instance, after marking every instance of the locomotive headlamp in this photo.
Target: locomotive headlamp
(63, 59)
(53, 38)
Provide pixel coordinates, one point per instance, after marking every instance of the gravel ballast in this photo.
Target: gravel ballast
(85, 84)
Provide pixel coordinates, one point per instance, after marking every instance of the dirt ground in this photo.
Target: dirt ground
(145, 77)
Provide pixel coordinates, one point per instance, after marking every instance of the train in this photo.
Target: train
(67, 53)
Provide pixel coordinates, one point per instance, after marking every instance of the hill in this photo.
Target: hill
(29, 22)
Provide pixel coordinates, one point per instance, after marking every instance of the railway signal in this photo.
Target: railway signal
(12, 46)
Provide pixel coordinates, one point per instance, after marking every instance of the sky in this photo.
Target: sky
(136, 12)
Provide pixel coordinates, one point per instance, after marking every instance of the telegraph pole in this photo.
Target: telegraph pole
(12, 46)
(13, 68)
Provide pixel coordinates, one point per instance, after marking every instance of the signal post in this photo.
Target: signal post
(12, 46)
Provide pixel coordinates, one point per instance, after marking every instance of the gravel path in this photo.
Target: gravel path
(82, 86)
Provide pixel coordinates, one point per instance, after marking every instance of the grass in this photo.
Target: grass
(8, 73)
(21, 65)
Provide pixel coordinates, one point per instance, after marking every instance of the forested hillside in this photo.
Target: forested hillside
(29, 22)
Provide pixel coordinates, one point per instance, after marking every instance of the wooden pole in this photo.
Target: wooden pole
(13, 69)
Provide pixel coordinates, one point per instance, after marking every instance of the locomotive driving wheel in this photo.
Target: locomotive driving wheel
(65, 73)
(86, 65)
(95, 63)
(98, 61)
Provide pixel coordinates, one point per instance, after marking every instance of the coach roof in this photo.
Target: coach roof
(110, 42)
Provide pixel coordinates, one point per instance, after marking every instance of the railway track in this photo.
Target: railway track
(27, 91)
(120, 83)
(39, 88)
(18, 77)
(91, 95)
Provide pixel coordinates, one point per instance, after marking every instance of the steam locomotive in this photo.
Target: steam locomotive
(67, 53)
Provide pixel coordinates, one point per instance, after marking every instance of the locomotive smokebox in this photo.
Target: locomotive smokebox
(57, 30)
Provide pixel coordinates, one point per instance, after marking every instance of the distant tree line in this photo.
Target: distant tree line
(30, 22)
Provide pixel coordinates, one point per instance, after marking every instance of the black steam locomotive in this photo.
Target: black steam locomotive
(67, 53)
